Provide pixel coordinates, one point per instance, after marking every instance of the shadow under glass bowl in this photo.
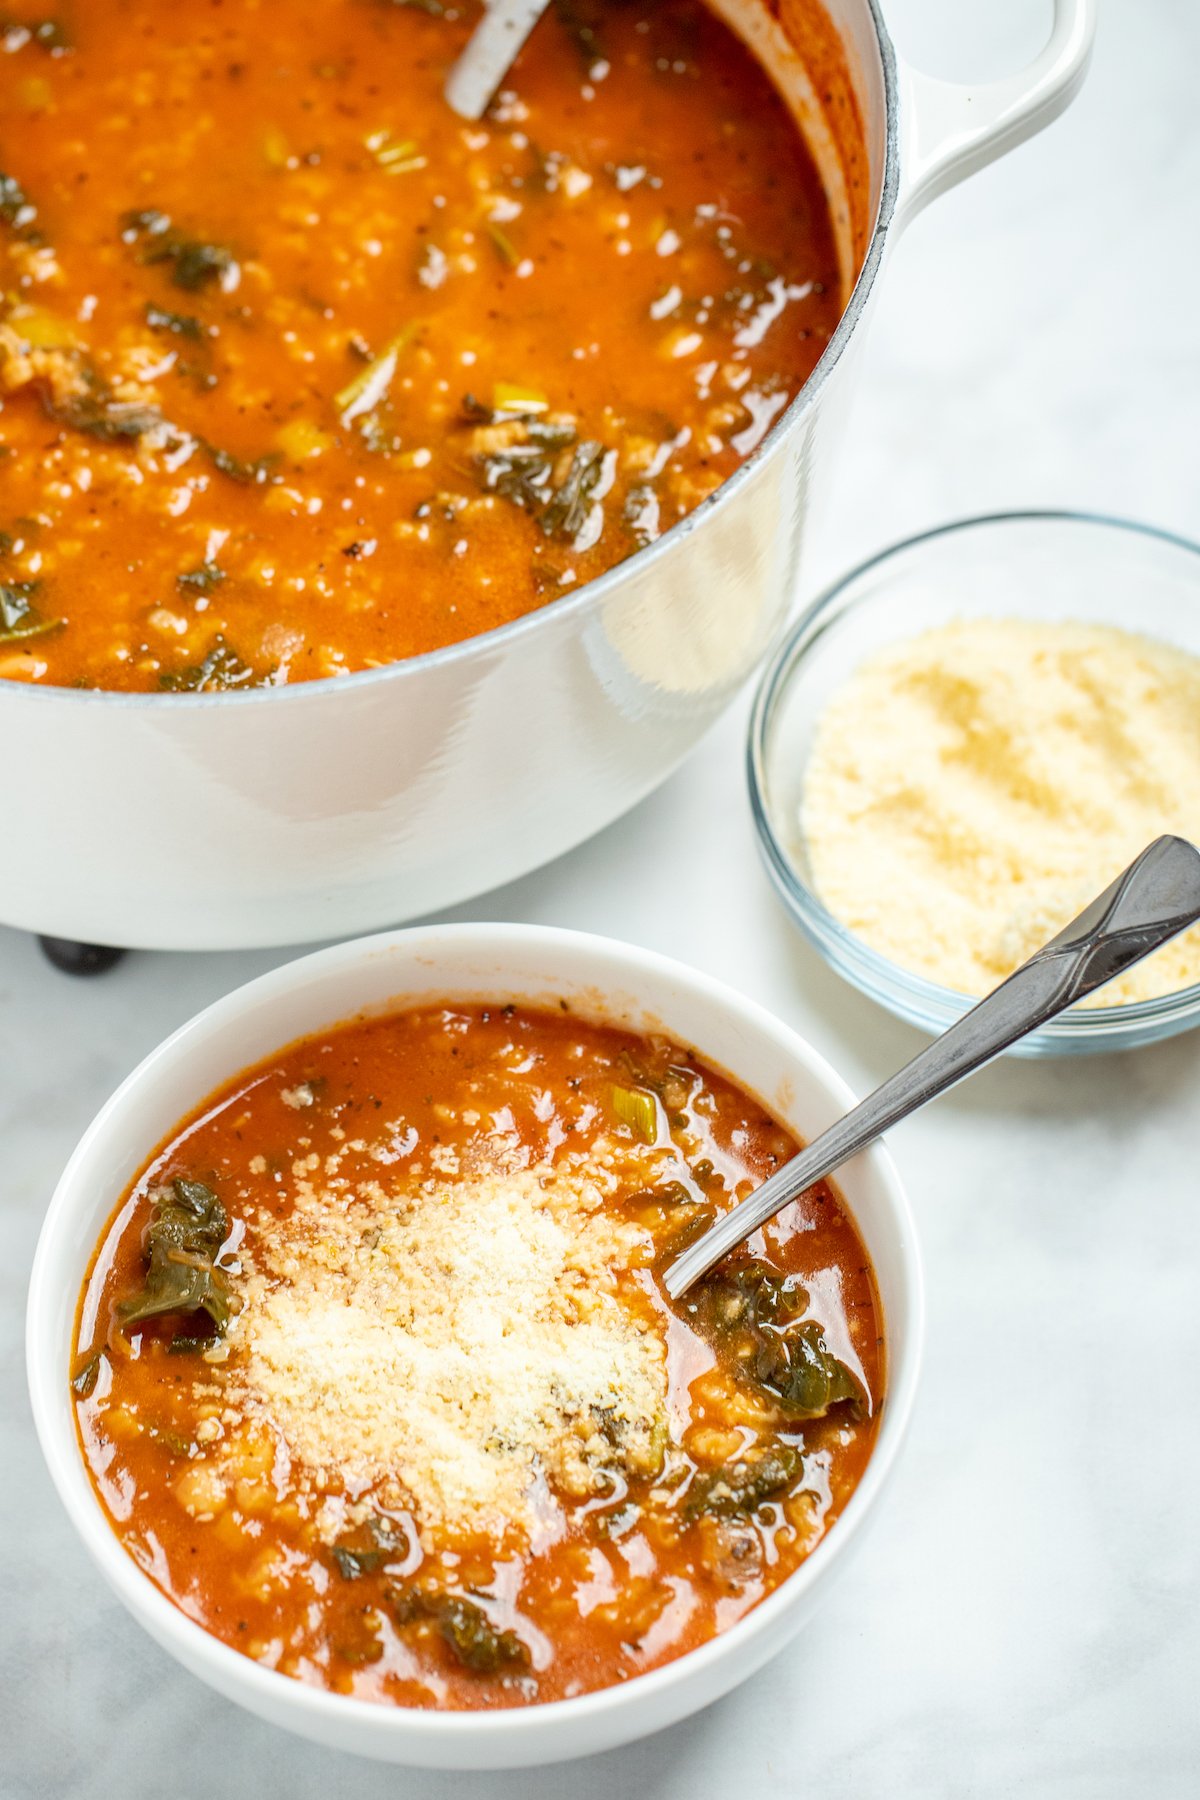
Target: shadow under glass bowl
(1032, 565)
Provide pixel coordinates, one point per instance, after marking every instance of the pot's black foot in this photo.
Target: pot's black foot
(79, 959)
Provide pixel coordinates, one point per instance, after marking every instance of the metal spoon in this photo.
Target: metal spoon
(1157, 897)
(491, 49)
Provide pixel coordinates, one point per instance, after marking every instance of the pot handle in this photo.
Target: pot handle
(951, 129)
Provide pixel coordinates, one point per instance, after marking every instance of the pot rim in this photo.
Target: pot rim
(419, 1730)
(591, 594)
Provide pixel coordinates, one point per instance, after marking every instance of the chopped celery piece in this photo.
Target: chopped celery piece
(395, 156)
(637, 1109)
(503, 245)
(370, 385)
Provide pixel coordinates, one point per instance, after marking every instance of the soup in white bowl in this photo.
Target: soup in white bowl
(375, 1411)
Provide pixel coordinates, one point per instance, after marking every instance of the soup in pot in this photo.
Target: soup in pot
(301, 374)
(377, 1379)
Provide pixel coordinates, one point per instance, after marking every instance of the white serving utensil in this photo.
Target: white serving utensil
(489, 54)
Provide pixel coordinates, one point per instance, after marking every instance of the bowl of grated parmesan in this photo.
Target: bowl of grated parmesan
(968, 736)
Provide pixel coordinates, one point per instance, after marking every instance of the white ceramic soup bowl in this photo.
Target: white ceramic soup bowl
(602, 980)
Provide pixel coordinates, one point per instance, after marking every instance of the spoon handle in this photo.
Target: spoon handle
(1157, 896)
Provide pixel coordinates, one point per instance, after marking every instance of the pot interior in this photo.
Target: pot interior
(828, 64)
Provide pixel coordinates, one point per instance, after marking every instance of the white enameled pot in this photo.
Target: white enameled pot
(215, 821)
(602, 980)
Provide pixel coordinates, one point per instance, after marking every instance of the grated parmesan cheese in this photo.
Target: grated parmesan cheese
(971, 789)
(454, 1346)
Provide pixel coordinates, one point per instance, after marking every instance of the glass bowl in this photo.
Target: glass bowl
(1033, 565)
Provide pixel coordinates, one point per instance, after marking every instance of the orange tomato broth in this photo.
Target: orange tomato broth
(621, 1578)
(302, 374)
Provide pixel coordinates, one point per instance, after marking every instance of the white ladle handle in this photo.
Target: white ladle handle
(1157, 897)
(489, 54)
(950, 130)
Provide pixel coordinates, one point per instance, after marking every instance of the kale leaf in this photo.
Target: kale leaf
(221, 671)
(158, 318)
(183, 1238)
(745, 1296)
(201, 580)
(20, 620)
(16, 208)
(246, 472)
(804, 1375)
(381, 1541)
(465, 1627)
(569, 507)
(193, 262)
(740, 1487)
(523, 472)
(783, 1353)
(95, 411)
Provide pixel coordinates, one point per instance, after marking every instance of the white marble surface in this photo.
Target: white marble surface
(1026, 1618)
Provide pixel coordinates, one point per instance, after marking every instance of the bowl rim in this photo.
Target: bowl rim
(820, 925)
(589, 595)
(237, 1675)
